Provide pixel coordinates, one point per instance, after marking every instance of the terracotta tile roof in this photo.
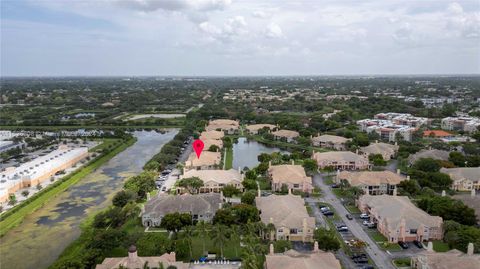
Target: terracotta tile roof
(436, 133)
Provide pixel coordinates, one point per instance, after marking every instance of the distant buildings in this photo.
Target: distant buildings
(225, 125)
(133, 261)
(200, 206)
(287, 135)
(330, 141)
(464, 178)
(388, 151)
(466, 124)
(254, 128)
(389, 126)
(213, 134)
(208, 160)
(398, 219)
(437, 134)
(341, 160)
(215, 180)
(293, 176)
(39, 170)
(289, 215)
(372, 182)
(436, 154)
(317, 259)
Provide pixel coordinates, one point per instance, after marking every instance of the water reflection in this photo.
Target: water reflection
(43, 235)
(245, 152)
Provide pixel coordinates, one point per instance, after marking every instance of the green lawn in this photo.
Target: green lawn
(38, 200)
(231, 249)
(106, 143)
(402, 262)
(328, 180)
(440, 246)
(229, 158)
(353, 209)
(377, 236)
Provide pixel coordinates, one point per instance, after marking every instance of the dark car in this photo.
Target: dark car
(403, 245)
(334, 186)
(367, 266)
(349, 216)
(328, 213)
(418, 244)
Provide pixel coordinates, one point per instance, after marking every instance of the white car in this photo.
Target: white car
(364, 216)
(324, 208)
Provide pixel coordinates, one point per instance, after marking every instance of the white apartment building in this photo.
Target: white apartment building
(466, 124)
(389, 125)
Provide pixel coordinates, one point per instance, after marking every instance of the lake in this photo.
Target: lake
(44, 234)
(245, 152)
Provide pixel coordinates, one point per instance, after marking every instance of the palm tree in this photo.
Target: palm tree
(235, 236)
(203, 230)
(250, 253)
(270, 230)
(219, 236)
(188, 233)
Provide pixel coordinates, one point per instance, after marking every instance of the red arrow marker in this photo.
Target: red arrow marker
(198, 147)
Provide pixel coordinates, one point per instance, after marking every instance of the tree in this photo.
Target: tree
(122, 197)
(230, 190)
(427, 165)
(310, 166)
(203, 231)
(192, 184)
(457, 158)
(12, 199)
(281, 246)
(220, 235)
(39, 187)
(409, 187)
(249, 184)
(174, 222)
(248, 197)
(264, 157)
(213, 148)
(377, 159)
(141, 184)
(188, 233)
(448, 209)
(326, 239)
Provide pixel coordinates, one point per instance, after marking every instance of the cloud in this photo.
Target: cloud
(174, 5)
(231, 29)
(260, 14)
(273, 31)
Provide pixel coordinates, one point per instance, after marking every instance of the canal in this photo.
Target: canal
(245, 152)
(43, 235)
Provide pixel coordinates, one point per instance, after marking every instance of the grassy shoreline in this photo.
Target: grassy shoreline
(37, 201)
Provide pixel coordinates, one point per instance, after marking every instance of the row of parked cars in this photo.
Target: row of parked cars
(326, 211)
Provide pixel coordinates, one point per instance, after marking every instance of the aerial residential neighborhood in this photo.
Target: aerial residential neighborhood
(229, 134)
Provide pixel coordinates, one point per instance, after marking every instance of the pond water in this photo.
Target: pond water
(245, 152)
(43, 235)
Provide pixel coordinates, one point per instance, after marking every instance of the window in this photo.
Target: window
(296, 185)
(293, 231)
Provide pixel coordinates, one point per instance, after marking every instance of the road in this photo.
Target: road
(379, 257)
(313, 203)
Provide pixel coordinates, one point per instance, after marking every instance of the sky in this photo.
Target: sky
(238, 38)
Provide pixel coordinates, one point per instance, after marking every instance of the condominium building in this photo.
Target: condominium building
(372, 182)
(316, 259)
(291, 175)
(389, 126)
(215, 180)
(39, 170)
(435, 154)
(398, 219)
(464, 178)
(289, 216)
(446, 260)
(254, 128)
(208, 160)
(287, 135)
(200, 207)
(341, 160)
(225, 125)
(213, 134)
(466, 124)
(330, 141)
(388, 151)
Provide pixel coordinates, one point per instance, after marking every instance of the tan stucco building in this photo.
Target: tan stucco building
(446, 260)
(341, 160)
(372, 182)
(254, 128)
(398, 219)
(225, 125)
(289, 215)
(289, 135)
(215, 180)
(292, 175)
(292, 259)
(330, 141)
(388, 151)
(133, 261)
(464, 178)
(208, 160)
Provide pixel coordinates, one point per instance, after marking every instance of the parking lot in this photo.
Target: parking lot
(167, 178)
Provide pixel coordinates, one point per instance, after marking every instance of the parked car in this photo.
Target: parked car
(403, 245)
(327, 213)
(372, 225)
(342, 229)
(418, 244)
(364, 216)
(324, 208)
(349, 216)
(367, 266)
(334, 186)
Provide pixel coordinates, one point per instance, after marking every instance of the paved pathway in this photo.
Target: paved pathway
(379, 257)
(313, 203)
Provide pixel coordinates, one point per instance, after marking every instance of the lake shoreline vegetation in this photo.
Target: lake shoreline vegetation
(14, 216)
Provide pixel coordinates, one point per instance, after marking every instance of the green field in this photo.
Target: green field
(228, 158)
(440, 246)
(402, 262)
(37, 201)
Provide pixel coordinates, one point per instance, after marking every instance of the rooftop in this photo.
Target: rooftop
(330, 138)
(293, 259)
(288, 173)
(164, 203)
(286, 133)
(371, 178)
(219, 176)
(283, 210)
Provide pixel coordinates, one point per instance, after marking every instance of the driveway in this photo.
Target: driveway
(379, 257)
(313, 203)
